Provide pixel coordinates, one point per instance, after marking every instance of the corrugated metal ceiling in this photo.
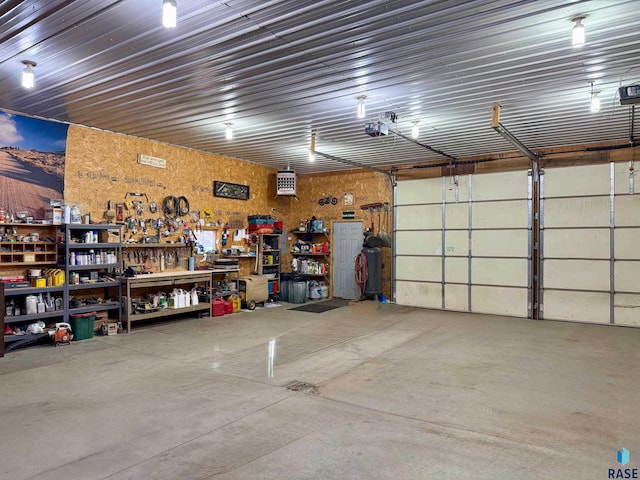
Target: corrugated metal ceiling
(278, 70)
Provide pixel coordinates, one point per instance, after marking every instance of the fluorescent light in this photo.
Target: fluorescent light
(577, 33)
(28, 78)
(415, 130)
(362, 110)
(228, 132)
(169, 13)
(595, 102)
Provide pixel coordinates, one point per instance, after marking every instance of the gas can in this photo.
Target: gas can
(228, 307)
(217, 307)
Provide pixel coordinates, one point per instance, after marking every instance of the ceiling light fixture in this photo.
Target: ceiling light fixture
(415, 130)
(362, 110)
(595, 100)
(577, 33)
(228, 132)
(169, 13)
(28, 79)
(312, 147)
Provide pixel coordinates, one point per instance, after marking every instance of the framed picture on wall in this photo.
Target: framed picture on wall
(230, 190)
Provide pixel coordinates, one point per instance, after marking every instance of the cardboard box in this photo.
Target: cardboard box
(29, 257)
(53, 215)
(108, 236)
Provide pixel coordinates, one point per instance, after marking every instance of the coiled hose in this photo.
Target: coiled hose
(362, 272)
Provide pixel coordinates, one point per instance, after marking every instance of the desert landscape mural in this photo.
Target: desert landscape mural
(32, 157)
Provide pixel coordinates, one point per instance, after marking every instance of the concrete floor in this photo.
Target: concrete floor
(401, 393)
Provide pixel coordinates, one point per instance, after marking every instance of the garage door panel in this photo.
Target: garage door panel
(627, 277)
(507, 214)
(577, 306)
(627, 309)
(419, 191)
(577, 212)
(462, 189)
(627, 210)
(456, 297)
(456, 243)
(626, 243)
(622, 178)
(419, 268)
(574, 243)
(419, 243)
(571, 181)
(499, 301)
(457, 215)
(499, 271)
(499, 186)
(416, 217)
(419, 294)
(500, 243)
(576, 274)
(456, 270)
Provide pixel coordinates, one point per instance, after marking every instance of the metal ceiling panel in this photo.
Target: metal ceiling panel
(279, 70)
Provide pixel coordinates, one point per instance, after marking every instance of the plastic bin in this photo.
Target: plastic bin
(82, 325)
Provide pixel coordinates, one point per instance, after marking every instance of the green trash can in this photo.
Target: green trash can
(82, 325)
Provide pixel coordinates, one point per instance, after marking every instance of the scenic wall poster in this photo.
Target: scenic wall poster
(32, 156)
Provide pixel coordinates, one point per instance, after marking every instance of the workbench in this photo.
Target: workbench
(175, 279)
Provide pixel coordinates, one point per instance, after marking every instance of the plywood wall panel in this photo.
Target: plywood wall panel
(366, 186)
(102, 166)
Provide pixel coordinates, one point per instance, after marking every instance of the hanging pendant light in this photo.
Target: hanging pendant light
(312, 147)
(577, 33)
(28, 77)
(415, 130)
(228, 132)
(169, 13)
(595, 100)
(362, 110)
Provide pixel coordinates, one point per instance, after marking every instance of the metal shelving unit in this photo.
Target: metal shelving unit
(101, 260)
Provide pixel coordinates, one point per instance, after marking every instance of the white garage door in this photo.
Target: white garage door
(464, 245)
(590, 220)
